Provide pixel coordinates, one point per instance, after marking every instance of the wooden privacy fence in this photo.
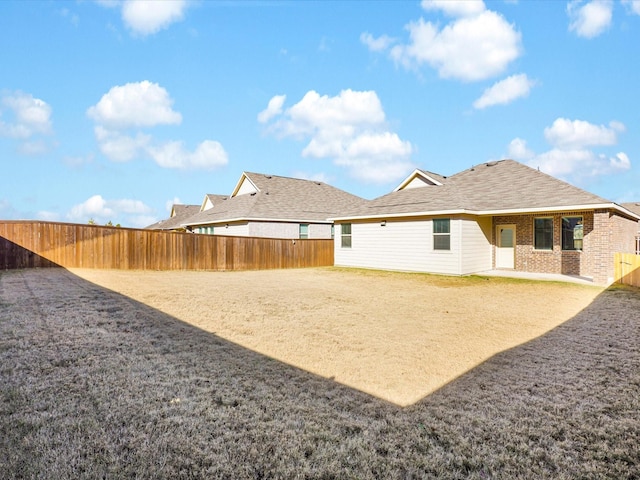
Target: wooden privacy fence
(627, 269)
(32, 244)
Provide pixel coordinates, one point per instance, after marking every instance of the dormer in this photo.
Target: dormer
(206, 204)
(245, 186)
(210, 201)
(418, 179)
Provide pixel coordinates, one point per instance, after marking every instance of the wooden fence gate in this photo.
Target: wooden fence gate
(627, 269)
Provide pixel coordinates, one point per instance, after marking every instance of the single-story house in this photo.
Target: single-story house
(635, 208)
(179, 213)
(496, 215)
(272, 206)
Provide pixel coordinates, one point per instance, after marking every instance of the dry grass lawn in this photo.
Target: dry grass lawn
(396, 336)
(117, 375)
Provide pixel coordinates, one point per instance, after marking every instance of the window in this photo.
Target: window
(304, 230)
(572, 233)
(346, 235)
(441, 234)
(543, 234)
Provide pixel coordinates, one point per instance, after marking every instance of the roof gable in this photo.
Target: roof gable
(420, 178)
(210, 200)
(245, 186)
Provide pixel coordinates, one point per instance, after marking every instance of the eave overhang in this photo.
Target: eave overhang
(479, 213)
(252, 219)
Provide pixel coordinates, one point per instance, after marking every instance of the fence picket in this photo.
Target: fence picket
(28, 244)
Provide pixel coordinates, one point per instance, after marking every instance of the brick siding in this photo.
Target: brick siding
(605, 232)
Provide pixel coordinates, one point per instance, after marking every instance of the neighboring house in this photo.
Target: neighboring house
(635, 208)
(274, 207)
(179, 213)
(497, 215)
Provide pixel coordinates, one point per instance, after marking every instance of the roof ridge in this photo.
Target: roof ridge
(268, 176)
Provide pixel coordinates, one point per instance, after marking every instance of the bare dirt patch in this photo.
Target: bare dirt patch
(396, 336)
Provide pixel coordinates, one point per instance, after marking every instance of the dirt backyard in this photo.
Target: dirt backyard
(396, 336)
(100, 384)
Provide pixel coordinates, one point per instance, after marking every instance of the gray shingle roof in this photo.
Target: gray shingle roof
(632, 206)
(181, 213)
(214, 198)
(281, 198)
(489, 187)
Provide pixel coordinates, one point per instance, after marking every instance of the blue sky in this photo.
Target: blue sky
(114, 110)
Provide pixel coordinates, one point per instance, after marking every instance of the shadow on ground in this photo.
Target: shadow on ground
(96, 385)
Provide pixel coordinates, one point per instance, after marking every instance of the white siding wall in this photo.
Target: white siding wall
(287, 230)
(234, 230)
(400, 245)
(476, 245)
(320, 230)
(271, 230)
(274, 230)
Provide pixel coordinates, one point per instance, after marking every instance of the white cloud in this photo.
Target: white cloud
(570, 158)
(590, 19)
(470, 48)
(32, 116)
(633, 6)
(120, 147)
(101, 211)
(349, 128)
(455, 8)
(505, 91)
(146, 17)
(379, 44)
(207, 156)
(620, 161)
(565, 133)
(140, 104)
(579, 163)
(146, 104)
(273, 108)
(519, 150)
(29, 118)
(322, 116)
(95, 206)
(377, 157)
